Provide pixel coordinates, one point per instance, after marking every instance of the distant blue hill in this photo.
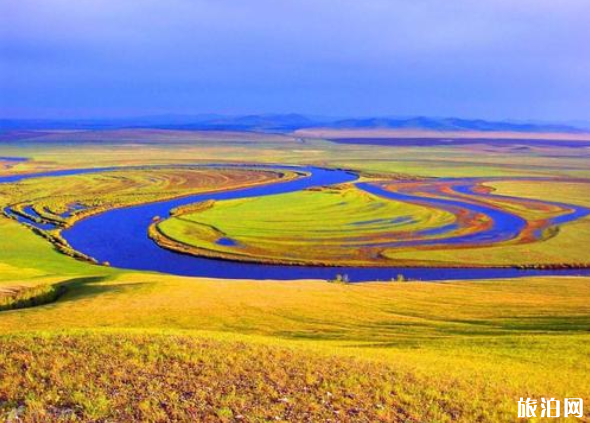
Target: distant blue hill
(451, 124)
(284, 123)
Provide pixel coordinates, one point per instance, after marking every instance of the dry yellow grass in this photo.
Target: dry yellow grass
(453, 351)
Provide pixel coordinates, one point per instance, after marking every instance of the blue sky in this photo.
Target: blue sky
(519, 59)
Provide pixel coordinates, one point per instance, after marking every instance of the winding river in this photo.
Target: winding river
(119, 236)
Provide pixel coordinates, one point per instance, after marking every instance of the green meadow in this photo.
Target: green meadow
(348, 226)
(119, 345)
(327, 226)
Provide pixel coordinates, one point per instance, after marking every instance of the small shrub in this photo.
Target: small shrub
(340, 279)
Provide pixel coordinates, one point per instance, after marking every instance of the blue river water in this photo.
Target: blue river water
(506, 226)
(119, 237)
(574, 213)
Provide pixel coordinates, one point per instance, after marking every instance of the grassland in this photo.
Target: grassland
(184, 378)
(108, 148)
(413, 351)
(561, 191)
(326, 226)
(442, 352)
(561, 247)
(348, 226)
(132, 346)
(74, 197)
(49, 204)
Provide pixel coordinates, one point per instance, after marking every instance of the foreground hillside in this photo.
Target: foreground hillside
(141, 347)
(80, 342)
(145, 377)
(114, 376)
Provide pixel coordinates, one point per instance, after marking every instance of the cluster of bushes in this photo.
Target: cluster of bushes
(340, 279)
(192, 208)
(47, 215)
(15, 210)
(52, 236)
(61, 244)
(31, 296)
(18, 210)
(394, 176)
(84, 213)
(343, 278)
(553, 266)
(400, 278)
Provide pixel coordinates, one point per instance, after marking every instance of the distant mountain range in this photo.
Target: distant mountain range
(282, 123)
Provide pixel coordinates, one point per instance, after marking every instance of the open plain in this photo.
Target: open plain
(85, 340)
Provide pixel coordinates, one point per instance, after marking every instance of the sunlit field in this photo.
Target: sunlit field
(81, 341)
(325, 226)
(294, 211)
(350, 226)
(63, 200)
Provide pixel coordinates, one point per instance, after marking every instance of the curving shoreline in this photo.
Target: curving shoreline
(119, 237)
(480, 221)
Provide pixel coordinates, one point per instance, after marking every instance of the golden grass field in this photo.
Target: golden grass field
(92, 193)
(137, 346)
